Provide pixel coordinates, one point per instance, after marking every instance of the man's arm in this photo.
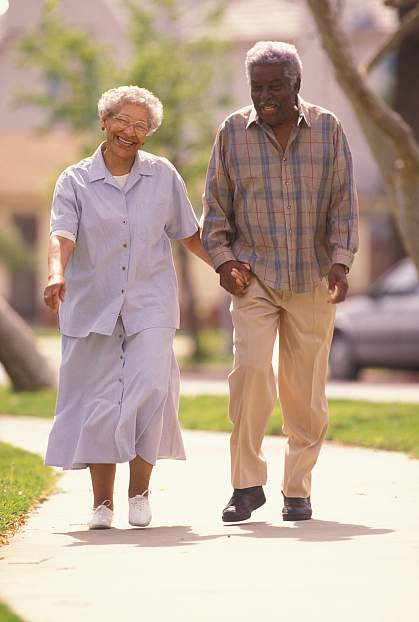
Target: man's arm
(218, 221)
(342, 220)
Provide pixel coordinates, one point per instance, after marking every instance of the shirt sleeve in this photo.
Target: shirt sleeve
(65, 212)
(218, 215)
(64, 234)
(342, 220)
(182, 221)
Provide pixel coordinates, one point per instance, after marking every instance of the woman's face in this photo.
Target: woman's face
(126, 130)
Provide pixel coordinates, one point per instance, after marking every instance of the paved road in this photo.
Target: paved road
(357, 560)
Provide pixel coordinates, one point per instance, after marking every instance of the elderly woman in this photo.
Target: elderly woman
(111, 276)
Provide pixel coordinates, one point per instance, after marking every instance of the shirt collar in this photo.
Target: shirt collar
(98, 169)
(303, 114)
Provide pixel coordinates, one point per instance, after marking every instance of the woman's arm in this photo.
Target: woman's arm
(194, 245)
(59, 252)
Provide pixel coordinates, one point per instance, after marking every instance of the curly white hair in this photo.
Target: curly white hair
(112, 100)
(272, 53)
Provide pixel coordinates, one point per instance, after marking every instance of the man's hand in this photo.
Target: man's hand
(235, 276)
(54, 292)
(338, 283)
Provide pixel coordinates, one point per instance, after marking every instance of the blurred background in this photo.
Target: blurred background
(57, 57)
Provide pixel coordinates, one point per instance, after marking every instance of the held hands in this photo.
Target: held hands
(235, 276)
(54, 292)
(338, 283)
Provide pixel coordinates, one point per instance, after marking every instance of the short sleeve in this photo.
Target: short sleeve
(182, 221)
(65, 212)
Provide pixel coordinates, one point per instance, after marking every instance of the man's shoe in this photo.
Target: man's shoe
(101, 517)
(242, 504)
(139, 510)
(296, 508)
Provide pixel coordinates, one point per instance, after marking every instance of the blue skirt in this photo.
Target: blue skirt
(118, 398)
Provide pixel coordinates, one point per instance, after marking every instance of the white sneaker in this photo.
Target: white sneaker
(139, 510)
(101, 517)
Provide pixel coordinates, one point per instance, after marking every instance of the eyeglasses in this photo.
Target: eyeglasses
(140, 127)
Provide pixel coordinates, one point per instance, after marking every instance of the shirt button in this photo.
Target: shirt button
(123, 268)
(121, 357)
(289, 230)
(289, 206)
(125, 245)
(120, 336)
(124, 222)
(122, 291)
(120, 379)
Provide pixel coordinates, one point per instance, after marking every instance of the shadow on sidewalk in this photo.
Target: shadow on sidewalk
(310, 531)
(183, 535)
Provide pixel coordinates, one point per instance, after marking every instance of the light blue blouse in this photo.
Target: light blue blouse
(122, 262)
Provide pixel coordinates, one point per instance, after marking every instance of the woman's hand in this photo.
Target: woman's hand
(54, 292)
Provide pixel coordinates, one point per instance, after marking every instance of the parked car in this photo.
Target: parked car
(380, 329)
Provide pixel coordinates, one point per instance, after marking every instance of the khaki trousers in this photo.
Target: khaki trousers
(305, 325)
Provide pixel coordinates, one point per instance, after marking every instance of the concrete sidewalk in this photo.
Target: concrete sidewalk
(358, 560)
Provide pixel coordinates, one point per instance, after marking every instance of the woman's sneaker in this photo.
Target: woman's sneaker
(139, 510)
(102, 516)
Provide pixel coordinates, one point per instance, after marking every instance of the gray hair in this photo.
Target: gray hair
(272, 53)
(111, 101)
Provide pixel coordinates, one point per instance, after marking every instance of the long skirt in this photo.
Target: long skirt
(117, 399)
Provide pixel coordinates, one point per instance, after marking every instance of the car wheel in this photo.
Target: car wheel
(341, 363)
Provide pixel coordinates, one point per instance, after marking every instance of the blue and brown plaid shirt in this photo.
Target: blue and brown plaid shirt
(290, 214)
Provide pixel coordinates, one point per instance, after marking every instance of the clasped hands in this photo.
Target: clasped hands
(235, 277)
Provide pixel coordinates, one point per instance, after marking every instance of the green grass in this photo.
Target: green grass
(8, 616)
(24, 479)
(30, 403)
(46, 331)
(393, 426)
(216, 352)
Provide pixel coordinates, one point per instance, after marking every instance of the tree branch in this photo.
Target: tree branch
(408, 25)
(400, 4)
(355, 85)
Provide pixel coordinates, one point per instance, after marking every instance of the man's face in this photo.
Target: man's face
(273, 95)
(126, 130)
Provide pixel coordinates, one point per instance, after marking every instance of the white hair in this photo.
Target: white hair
(272, 53)
(111, 101)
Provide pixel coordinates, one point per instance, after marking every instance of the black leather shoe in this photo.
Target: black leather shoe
(296, 508)
(242, 504)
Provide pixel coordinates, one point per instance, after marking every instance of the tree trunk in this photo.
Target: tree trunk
(406, 98)
(391, 140)
(189, 301)
(26, 367)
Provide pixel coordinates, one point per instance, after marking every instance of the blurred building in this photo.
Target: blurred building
(30, 162)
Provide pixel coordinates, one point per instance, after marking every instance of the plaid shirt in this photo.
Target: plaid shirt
(290, 214)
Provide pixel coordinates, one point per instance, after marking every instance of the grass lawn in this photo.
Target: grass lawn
(7, 616)
(24, 479)
(392, 426)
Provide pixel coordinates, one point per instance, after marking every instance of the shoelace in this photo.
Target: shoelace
(141, 499)
(105, 505)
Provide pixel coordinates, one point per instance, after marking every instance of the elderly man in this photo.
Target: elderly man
(280, 209)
